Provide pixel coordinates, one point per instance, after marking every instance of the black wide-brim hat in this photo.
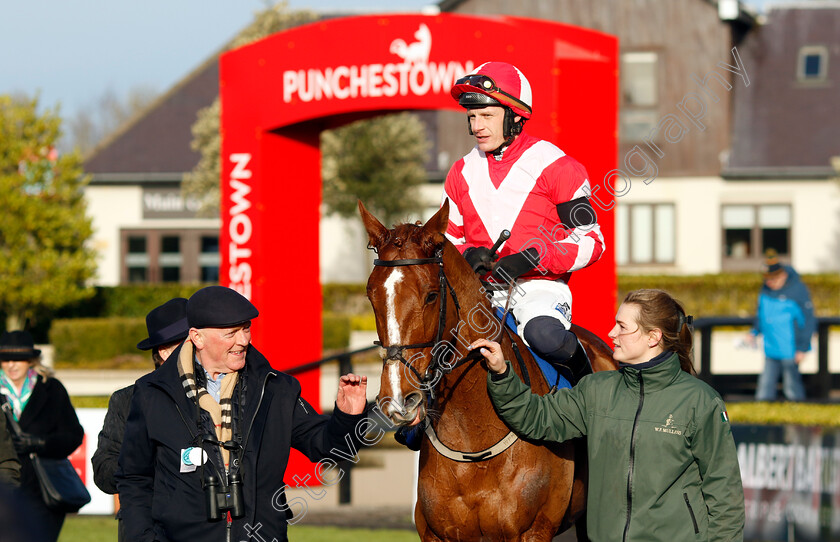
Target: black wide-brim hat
(17, 346)
(166, 324)
(219, 306)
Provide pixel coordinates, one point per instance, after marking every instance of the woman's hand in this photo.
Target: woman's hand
(492, 351)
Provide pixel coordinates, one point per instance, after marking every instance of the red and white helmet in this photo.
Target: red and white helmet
(495, 83)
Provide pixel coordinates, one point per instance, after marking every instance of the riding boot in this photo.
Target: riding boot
(410, 436)
(554, 343)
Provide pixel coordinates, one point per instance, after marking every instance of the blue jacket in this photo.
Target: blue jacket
(786, 318)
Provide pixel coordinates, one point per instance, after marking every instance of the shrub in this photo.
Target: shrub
(729, 294)
(99, 342)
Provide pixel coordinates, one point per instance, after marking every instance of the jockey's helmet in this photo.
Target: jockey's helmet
(495, 83)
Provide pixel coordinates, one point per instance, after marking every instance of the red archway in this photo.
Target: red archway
(278, 94)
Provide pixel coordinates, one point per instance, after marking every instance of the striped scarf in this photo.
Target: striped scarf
(221, 413)
(18, 400)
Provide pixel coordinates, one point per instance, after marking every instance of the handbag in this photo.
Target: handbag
(61, 487)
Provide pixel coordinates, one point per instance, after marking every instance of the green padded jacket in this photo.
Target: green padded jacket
(662, 461)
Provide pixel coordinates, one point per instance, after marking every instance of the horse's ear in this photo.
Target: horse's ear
(377, 233)
(435, 227)
(440, 221)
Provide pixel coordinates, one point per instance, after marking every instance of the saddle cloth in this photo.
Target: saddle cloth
(552, 377)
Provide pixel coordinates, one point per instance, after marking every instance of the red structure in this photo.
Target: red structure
(278, 94)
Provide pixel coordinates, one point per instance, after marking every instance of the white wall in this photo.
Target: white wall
(114, 208)
(815, 224)
(111, 207)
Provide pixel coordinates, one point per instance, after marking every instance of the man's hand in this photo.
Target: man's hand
(492, 351)
(480, 259)
(513, 265)
(352, 394)
(798, 357)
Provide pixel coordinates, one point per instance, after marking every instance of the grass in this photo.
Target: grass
(104, 529)
(89, 529)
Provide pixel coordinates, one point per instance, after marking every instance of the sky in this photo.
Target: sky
(73, 52)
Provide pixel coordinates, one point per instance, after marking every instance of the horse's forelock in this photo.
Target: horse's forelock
(403, 236)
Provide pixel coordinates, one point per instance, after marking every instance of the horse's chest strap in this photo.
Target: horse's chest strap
(470, 457)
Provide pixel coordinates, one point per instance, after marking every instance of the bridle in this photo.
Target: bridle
(437, 367)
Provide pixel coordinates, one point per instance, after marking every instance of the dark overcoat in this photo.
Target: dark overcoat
(161, 503)
(107, 452)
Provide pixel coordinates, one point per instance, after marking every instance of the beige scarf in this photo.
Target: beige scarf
(222, 412)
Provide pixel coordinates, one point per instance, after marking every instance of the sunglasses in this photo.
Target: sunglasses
(486, 83)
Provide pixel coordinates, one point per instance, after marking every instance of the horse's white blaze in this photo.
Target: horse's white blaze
(394, 379)
(393, 330)
(394, 278)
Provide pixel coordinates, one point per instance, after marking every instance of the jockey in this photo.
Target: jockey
(514, 181)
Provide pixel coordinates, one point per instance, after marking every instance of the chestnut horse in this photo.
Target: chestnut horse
(477, 480)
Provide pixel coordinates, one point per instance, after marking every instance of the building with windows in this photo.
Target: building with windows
(144, 230)
(728, 146)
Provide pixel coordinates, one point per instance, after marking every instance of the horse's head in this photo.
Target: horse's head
(405, 289)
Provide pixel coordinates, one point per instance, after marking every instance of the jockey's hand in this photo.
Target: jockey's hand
(480, 259)
(352, 394)
(492, 351)
(512, 266)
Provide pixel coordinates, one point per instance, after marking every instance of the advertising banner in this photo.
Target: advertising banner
(791, 477)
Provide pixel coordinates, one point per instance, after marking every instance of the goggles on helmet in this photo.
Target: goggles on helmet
(485, 83)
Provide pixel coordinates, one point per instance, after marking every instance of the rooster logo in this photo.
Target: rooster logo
(417, 52)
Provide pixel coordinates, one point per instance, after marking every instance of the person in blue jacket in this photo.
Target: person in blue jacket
(785, 317)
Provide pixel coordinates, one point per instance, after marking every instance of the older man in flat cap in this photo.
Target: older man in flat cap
(209, 434)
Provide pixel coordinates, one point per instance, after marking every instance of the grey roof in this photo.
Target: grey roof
(782, 125)
(158, 140)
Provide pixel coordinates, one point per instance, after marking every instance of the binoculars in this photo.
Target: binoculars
(221, 498)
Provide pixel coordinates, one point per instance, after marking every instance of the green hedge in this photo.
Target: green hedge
(761, 413)
(102, 343)
(99, 342)
(130, 300)
(730, 294)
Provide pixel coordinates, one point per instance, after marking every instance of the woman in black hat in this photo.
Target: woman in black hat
(42, 408)
(167, 327)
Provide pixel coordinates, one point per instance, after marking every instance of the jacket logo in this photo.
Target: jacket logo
(668, 427)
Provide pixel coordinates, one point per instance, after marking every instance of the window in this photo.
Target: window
(812, 65)
(645, 234)
(208, 260)
(137, 259)
(749, 230)
(170, 258)
(155, 256)
(639, 94)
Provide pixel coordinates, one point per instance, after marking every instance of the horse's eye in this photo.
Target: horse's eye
(431, 297)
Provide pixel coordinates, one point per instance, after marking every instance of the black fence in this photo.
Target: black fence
(817, 386)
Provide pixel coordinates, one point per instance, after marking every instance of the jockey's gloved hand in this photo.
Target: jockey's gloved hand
(480, 259)
(513, 265)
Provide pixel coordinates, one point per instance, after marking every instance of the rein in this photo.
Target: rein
(395, 352)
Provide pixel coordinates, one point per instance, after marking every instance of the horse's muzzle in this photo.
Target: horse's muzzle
(413, 408)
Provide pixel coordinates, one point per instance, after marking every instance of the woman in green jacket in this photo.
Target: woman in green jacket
(662, 461)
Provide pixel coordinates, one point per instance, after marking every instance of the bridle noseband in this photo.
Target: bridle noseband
(395, 351)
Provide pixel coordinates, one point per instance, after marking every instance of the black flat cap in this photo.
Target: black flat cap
(218, 306)
(166, 324)
(17, 346)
